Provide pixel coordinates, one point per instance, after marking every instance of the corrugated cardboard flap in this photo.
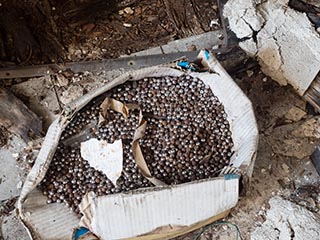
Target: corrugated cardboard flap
(121, 216)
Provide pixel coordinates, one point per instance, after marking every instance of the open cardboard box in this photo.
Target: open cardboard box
(153, 213)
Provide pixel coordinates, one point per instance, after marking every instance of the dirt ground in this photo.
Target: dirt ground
(82, 30)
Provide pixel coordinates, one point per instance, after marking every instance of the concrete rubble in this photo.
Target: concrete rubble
(11, 222)
(286, 220)
(284, 41)
(309, 128)
(11, 177)
(41, 97)
(295, 114)
(293, 147)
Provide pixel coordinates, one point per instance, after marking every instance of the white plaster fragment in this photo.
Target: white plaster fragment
(249, 46)
(105, 157)
(286, 220)
(242, 15)
(287, 46)
(214, 22)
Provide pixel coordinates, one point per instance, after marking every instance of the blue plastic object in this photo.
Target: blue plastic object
(231, 176)
(207, 54)
(186, 65)
(80, 232)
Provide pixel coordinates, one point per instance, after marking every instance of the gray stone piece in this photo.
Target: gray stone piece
(10, 173)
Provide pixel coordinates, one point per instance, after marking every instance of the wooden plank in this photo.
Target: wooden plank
(312, 95)
(16, 117)
(191, 17)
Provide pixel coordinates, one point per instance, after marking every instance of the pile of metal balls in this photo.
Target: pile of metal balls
(187, 138)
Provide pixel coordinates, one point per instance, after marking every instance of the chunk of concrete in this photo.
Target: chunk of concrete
(295, 114)
(284, 41)
(12, 228)
(39, 96)
(287, 220)
(10, 174)
(243, 17)
(15, 117)
(309, 128)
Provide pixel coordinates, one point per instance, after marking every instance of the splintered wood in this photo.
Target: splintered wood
(37, 32)
(192, 17)
(15, 117)
(312, 95)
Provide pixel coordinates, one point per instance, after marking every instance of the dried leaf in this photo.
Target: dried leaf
(114, 105)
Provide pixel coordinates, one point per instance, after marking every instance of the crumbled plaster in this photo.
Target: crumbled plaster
(284, 41)
(243, 16)
(287, 220)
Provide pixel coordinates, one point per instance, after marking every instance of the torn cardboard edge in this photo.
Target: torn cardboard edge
(115, 105)
(34, 212)
(123, 109)
(145, 200)
(138, 155)
(170, 232)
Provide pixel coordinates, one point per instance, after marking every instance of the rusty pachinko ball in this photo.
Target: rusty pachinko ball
(187, 138)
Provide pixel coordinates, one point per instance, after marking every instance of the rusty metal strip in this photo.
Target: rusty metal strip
(93, 66)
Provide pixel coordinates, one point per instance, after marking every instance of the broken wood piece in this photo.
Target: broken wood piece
(312, 95)
(188, 18)
(315, 157)
(17, 118)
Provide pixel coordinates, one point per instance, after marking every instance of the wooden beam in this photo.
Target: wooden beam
(191, 17)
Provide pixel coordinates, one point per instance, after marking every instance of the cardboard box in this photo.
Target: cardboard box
(153, 213)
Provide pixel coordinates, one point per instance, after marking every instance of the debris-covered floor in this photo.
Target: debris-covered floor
(289, 128)
(82, 30)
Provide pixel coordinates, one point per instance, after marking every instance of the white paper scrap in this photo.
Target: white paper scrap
(104, 156)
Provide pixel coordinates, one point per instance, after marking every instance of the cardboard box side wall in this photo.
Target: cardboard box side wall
(143, 212)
